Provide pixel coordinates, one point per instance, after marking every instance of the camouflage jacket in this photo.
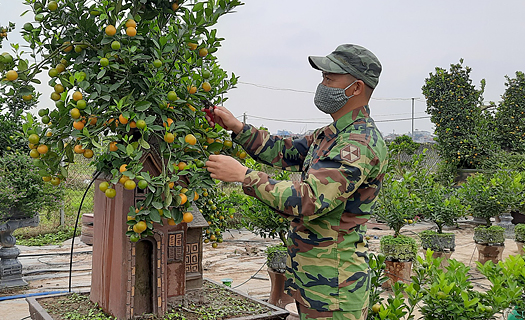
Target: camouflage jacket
(342, 167)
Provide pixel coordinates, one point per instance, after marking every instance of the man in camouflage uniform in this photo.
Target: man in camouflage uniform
(342, 167)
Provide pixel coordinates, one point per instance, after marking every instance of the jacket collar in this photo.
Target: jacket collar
(331, 130)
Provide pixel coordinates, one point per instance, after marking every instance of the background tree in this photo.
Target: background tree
(510, 115)
(464, 132)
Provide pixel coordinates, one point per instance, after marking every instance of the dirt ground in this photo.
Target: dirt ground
(240, 258)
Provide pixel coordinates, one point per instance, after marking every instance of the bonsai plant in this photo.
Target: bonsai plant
(487, 197)
(441, 206)
(22, 191)
(22, 195)
(397, 206)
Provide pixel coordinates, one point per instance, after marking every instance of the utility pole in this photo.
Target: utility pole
(244, 118)
(413, 118)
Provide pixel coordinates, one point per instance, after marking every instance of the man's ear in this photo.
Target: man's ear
(357, 89)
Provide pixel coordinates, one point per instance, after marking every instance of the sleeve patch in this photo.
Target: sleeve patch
(350, 153)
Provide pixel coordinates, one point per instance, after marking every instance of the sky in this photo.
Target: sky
(267, 44)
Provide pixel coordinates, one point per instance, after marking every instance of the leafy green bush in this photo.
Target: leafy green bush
(441, 205)
(396, 203)
(400, 248)
(10, 135)
(449, 293)
(491, 195)
(519, 231)
(489, 234)
(402, 145)
(510, 115)
(276, 257)
(437, 241)
(22, 189)
(464, 133)
(512, 161)
(260, 218)
(57, 237)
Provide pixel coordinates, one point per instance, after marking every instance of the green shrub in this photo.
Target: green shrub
(275, 255)
(10, 136)
(491, 195)
(449, 294)
(22, 189)
(259, 217)
(437, 241)
(519, 231)
(441, 205)
(54, 238)
(400, 248)
(490, 235)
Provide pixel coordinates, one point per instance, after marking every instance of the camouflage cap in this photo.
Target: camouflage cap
(352, 59)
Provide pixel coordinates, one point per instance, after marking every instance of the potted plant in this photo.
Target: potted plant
(397, 206)
(520, 237)
(487, 197)
(22, 195)
(440, 205)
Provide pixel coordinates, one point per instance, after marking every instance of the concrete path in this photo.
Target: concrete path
(240, 257)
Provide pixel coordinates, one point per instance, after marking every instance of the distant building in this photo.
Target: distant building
(419, 136)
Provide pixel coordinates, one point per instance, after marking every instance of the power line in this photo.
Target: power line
(403, 119)
(281, 120)
(274, 88)
(263, 86)
(316, 122)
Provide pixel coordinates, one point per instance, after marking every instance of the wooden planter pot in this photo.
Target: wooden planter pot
(488, 252)
(277, 295)
(397, 271)
(38, 312)
(490, 243)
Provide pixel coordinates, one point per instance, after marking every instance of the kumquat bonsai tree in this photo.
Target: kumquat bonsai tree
(128, 77)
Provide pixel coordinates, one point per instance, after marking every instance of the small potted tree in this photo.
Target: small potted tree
(22, 195)
(397, 206)
(441, 206)
(487, 197)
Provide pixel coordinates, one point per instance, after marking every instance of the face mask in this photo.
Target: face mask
(330, 100)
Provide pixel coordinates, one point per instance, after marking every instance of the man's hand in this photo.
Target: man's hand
(227, 120)
(226, 168)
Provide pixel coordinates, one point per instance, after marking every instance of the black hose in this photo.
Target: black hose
(75, 230)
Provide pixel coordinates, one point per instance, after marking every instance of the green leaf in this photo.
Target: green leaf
(198, 7)
(216, 146)
(168, 200)
(157, 205)
(142, 105)
(154, 215)
(144, 144)
(163, 40)
(129, 149)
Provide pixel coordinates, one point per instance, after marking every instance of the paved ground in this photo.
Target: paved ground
(241, 257)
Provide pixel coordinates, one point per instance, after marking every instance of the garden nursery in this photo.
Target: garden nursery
(107, 210)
